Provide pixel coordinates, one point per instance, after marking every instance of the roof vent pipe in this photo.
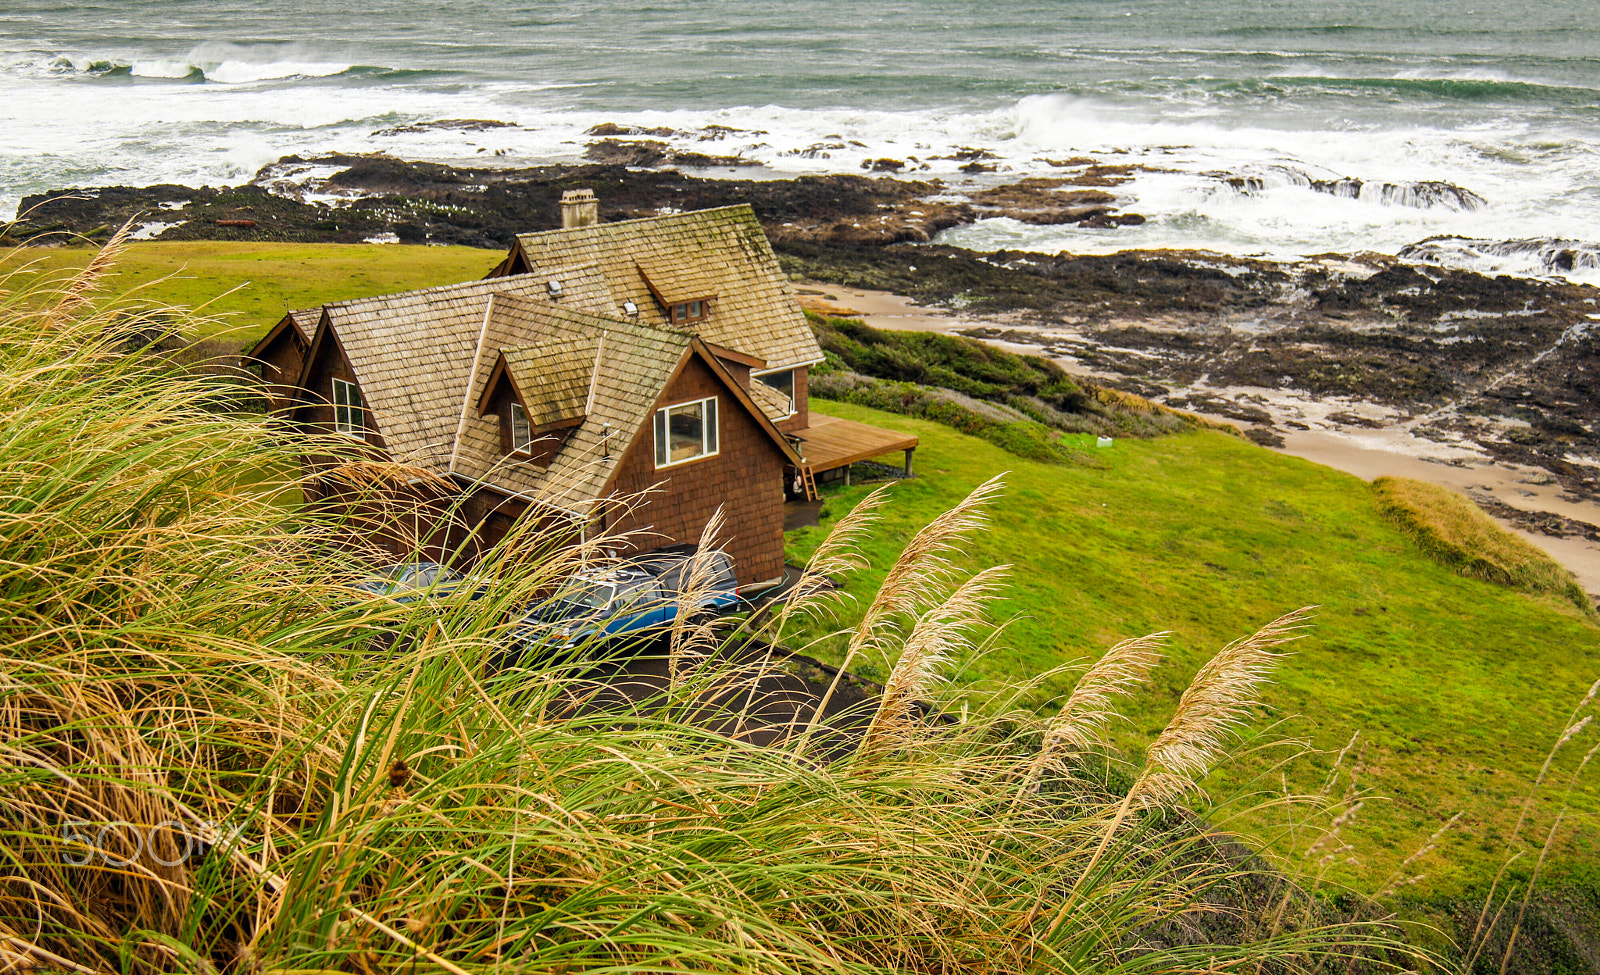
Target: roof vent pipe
(579, 208)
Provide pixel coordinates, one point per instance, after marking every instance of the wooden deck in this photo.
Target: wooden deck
(830, 443)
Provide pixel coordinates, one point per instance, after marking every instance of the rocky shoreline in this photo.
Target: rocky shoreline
(1498, 368)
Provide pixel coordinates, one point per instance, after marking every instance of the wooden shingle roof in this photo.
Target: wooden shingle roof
(553, 380)
(673, 281)
(412, 354)
(580, 286)
(631, 366)
(305, 321)
(721, 252)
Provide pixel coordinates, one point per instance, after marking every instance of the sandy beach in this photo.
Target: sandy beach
(1380, 445)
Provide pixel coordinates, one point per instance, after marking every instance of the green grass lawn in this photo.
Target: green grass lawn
(259, 282)
(1458, 687)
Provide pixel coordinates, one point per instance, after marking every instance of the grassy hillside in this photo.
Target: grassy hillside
(259, 282)
(1457, 687)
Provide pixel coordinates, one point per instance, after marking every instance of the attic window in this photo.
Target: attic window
(689, 311)
(521, 432)
(348, 416)
(554, 288)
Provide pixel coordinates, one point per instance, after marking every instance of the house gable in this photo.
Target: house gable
(538, 394)
(281, 354)
(325, 365)
(744, 478)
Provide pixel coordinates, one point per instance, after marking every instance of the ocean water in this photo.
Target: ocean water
(1276, 128)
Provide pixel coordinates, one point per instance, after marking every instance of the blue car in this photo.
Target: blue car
(408, 582)
(639, 597)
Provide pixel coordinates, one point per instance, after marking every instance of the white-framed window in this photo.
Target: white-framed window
(349, 417)
(686, 431)
(782, 381)
(521, 432)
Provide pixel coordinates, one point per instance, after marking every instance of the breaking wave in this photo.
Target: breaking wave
(239, 72)
(1423, 195)
(1532, 257)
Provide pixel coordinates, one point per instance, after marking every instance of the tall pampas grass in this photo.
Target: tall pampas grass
(1217, 702)
(217, 757)
(939, 635)
(917, 579)
(1214, 705)
(692, 636)
(814, 594)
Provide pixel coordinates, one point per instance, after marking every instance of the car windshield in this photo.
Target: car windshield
(589, 595)
(410, 575)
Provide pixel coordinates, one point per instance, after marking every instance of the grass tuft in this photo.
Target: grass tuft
(1453, 531)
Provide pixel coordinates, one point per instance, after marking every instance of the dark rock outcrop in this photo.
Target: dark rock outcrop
(1411, 336)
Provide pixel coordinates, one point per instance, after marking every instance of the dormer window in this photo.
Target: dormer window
(689, 311)
(521, 431)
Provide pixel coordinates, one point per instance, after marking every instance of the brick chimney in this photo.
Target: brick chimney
(579, 208)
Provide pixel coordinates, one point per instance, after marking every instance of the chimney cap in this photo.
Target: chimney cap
(579, 208)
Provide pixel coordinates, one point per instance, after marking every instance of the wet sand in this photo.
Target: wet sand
(1384, 449)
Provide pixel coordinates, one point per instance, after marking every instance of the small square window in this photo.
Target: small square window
(689, 311)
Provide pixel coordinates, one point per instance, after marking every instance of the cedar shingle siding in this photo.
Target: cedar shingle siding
(745, 478)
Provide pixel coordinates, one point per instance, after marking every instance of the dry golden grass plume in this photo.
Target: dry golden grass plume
(918, 578)
(692, 637)
(1080, 724)
(1214, 705)
(813, 594)
(80, 291)
(942, 633)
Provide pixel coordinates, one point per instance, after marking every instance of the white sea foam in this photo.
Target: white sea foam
(162, 69)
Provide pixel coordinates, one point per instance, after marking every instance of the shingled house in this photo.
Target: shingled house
(596, 362)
